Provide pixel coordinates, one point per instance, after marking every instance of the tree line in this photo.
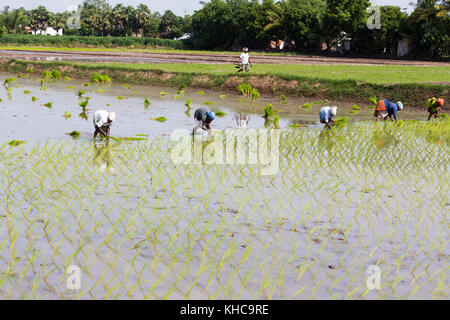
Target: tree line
(303, 25)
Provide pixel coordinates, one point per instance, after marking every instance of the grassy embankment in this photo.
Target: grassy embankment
(410, 84)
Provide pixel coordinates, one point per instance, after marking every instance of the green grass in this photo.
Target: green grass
(369, 74)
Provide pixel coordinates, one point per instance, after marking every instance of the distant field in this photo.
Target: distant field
(126, 49)
(369, 74)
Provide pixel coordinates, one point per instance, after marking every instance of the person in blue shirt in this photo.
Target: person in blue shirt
(326, 116)
(387, 109)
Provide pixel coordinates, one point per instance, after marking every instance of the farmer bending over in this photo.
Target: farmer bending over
(203, 118)
(387, 109)
(327, 114)
(103, 121)
(434, 107)
(244, 61)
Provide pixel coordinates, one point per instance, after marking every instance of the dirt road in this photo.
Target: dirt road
(143, 57)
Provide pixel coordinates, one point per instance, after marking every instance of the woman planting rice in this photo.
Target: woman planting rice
(326, 116)
(434, 107)
(202, 119)
(386, 108)
(103, 121)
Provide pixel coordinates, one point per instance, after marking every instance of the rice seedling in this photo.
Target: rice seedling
(208, 103)
(67, 78)
(80, 93)
(1, 99)
(126, 85)
(121, 98)
(74, 134)
(56, 74)
(162, 93)
(160, 119)
(67, 115)
(270, 112)
(99, 91)
(70, 87)
(100, 78)
(296, 125)
(18, 86)
(8, 81)
(26, 92)
(222, 96)
(147, 102)
(15, 143)
(220, 114)
(255, 94)
(306, 106)
(200, 92)
(188, 103)
(245, 89)
(133, 138)
(43, 88)
(283, 98)
(87, 84)
(48, 105)
(47, 75)
(33, 99)
(83, 104)
(276, 120)
(355, 107)
(176, 96)
(353, 111)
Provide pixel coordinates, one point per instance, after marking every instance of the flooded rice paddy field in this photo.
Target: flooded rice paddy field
(140, 226)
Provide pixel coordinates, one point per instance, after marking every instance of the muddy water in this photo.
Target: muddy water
(23, 119)
(139, 226)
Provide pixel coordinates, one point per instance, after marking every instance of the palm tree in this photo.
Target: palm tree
(142, 19)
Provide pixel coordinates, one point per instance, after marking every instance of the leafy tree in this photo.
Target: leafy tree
(348, 16)
(170, 25)
(142, 18)
(430, 28)
(39, 19)
(297, 22)
(385, 39)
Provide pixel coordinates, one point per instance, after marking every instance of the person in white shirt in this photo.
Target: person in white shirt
(103, 121)
(245, 61)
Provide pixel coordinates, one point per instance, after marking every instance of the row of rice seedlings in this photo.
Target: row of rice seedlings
(100, 78)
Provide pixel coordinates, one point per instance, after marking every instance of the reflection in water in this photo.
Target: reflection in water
(102, 156)
(242, 120)
(327, 138)
(383, 137)
(83, 115)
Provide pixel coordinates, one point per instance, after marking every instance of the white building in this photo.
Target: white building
(49, 32)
